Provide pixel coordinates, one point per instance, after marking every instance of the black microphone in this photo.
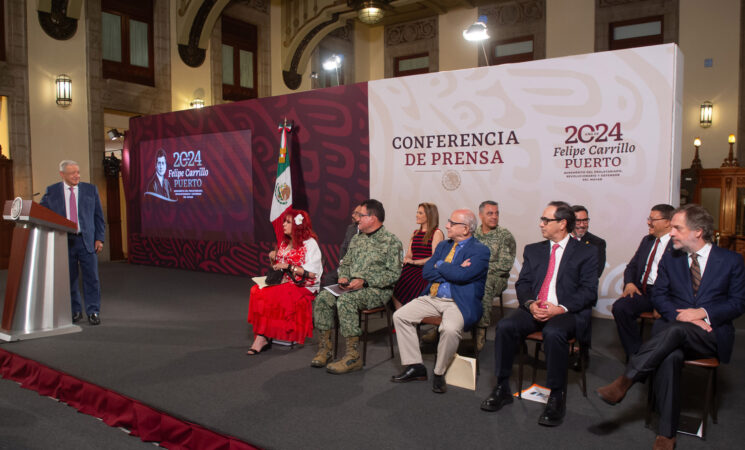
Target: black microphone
(37, 193)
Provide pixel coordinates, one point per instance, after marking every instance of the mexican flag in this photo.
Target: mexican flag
(282, 198)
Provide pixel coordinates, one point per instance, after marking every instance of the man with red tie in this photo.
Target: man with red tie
(558, 281)
(699, 291)
(640, 276)
(80, 203)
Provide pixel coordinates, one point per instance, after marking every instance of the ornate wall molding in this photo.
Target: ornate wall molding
(344, 33)
(191, 54)
(56, 23)
(411, 32)
(515, 12)
(261, 6)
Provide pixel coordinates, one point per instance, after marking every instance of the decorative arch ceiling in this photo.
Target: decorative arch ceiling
(304, 24)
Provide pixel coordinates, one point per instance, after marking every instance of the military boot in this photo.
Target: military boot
(352, 360)
(324, 350)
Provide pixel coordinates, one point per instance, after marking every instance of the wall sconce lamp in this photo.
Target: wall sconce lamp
(696, 163)
(114, 134)
(707, 110)
(197, 103)
(477, 32)
(730, 160)
(64, 90)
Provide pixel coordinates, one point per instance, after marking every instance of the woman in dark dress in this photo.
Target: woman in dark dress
(421, 245)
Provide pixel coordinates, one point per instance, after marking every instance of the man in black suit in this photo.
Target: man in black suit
(558, 280)
(581, 233)
(699, 291)
(640, 276)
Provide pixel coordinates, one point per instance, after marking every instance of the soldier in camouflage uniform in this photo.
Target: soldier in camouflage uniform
(501, 244)
(368, 273)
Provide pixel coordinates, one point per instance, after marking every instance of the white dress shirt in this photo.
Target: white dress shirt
(657, 257)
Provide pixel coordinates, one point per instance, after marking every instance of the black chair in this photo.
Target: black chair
(710, 401)
(537, 337)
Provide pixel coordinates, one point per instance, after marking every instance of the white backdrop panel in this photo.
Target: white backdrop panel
(601, 130)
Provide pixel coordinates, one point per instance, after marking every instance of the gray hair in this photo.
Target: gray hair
(487, 202)
(698, 218)
(66, 162)
(470, 220)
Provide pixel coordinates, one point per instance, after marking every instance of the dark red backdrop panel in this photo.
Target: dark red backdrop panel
(330, 173)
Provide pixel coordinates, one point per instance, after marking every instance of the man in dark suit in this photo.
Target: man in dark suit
(640, 276)
(80, 203)
(582, 234)
(557, 282)
(699, 291)
(457, 273)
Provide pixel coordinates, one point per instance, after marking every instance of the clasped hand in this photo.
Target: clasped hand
(543, 311)
(695, 316)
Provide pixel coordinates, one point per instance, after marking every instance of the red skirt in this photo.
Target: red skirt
(282, 312)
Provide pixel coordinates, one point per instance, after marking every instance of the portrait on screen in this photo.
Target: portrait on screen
(159, 186)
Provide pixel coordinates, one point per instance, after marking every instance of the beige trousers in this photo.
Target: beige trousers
(407, 318)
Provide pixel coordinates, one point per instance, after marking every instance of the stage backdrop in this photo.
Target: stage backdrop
(220, 164)
(601, 130)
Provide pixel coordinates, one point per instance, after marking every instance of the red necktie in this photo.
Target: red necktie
(543, 294)
(649, 266)
(73, 206)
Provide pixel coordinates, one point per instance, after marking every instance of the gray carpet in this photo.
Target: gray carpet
(176, 340)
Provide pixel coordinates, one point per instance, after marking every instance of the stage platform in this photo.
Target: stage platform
(176, 341)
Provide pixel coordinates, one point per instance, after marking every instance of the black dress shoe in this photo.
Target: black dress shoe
(499, 397)
(414, 372)
(77, 317)
(555, 410)
(93, 319)
(438, 384)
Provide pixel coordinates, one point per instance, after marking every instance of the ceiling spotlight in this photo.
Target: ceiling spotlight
(114, 134)
(332, 63)
(477, 31)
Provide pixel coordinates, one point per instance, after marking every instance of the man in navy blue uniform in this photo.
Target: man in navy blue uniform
(79, 202)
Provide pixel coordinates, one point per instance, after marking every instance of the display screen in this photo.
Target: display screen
(198, 187)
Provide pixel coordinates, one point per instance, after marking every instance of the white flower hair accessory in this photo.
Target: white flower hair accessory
(299, 219)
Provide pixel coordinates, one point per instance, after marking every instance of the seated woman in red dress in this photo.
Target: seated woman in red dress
(421, 245)
(285, 311)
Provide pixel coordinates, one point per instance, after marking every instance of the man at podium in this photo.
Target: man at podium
(79, 202)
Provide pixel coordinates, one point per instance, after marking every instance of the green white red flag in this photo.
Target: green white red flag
(282, 198)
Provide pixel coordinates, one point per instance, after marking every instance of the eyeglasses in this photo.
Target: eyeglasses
(364, 215)
(456, 223)
(649, 219)
(583, 220)
(546, 220)
(356, 214)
